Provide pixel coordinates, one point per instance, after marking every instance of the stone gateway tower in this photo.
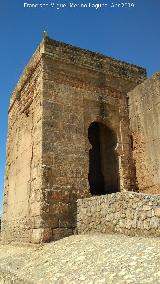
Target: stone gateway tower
(69, 137)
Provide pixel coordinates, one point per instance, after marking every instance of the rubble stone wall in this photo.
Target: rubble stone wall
(144, 110)
(128, 213)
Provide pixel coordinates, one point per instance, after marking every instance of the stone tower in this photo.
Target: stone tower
(68, 138)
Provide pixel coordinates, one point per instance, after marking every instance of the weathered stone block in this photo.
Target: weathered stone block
(157, 211)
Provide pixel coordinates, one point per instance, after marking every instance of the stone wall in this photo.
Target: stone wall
(123, 212)
(80, 87)
(61, 92)
(22, 195)
(144, 113)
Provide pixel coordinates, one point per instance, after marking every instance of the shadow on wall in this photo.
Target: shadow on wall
(103, 160)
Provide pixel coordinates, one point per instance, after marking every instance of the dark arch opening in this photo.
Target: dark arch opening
(103, 160)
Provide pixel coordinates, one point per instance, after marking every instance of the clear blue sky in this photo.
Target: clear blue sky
(130, 34)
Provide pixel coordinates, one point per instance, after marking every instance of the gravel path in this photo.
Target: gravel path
(85, 259)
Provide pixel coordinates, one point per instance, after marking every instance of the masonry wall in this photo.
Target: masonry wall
(79, 88)
(144, 109)
(130, 213)
(22, 194)
(62, 91)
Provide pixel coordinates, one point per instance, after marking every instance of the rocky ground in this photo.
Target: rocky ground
(85, 259)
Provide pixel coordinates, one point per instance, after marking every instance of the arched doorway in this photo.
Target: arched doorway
(103, 160)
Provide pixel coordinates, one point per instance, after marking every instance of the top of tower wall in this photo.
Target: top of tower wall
(81, 58)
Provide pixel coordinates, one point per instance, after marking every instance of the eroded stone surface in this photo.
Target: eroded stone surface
(144, 125)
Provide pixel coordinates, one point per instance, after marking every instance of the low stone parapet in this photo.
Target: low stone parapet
(127, 213)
